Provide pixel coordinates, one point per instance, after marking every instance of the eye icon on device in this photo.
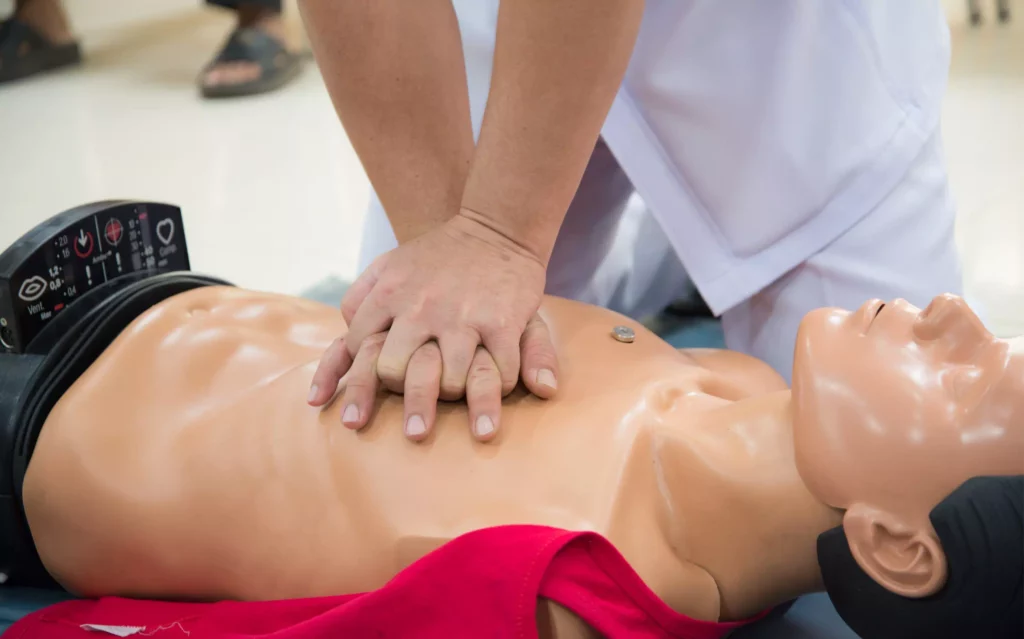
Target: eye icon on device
(32, 288)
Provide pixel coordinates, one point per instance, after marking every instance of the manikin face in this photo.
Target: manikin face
(893, 409)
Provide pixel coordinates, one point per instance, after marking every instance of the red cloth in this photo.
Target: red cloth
(483, 584)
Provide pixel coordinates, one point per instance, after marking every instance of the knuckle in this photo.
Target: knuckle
(322, 378)
(416, 308)
(430, 352)
(451, 394)
(359, 388)
(532, 349)
(386, 287)
(508, 368)
(349, 307)
(508, 387)
(419, 393)
(536, 335)
(483, 372)
(489, 322)
(360, 379)
(421, 386)
(536, 322)
(391, 374)
(453, 384)
(332, 351)
(505, 347)
(456, 365)
(481, 401)
(504, 335)
(398, 388)
(375, 341)
(538, 357)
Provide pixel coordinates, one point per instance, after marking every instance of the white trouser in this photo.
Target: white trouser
(612, 253)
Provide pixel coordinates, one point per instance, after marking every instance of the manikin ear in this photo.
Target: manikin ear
(902, 559)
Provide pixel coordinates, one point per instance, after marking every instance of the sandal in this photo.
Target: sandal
(25, 52)
(248, 44)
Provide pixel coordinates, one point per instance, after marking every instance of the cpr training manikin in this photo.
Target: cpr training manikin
(184, 463)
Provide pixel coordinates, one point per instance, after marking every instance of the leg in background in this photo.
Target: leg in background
(974, 9)
(257, 56)
(47, 17)
(904, 248)
(36, 38)
(1004, 10)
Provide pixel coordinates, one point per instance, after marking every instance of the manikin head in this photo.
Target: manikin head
(894, 408)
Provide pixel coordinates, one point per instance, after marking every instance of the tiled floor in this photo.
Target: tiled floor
(984, 135)
(274, 196)
(272, 193)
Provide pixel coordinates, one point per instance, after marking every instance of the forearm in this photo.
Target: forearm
(557, 67)
(396, 75)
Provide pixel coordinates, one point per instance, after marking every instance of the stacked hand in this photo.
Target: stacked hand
(451, 314)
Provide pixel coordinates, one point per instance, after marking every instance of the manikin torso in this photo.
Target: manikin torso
(185, 463)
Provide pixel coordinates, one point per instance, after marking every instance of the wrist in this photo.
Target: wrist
(525, 200)
(408, 229)
(498, 234)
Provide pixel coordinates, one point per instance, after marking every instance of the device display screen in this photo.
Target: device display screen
(93, 250)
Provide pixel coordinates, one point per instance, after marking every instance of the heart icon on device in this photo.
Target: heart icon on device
(165, 230)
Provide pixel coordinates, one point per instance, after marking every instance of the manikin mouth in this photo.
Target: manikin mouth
(878, 312)
(873, 317)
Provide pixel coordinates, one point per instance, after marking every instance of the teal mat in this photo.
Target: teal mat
(694, 333)
(813, 617)
(15, 603)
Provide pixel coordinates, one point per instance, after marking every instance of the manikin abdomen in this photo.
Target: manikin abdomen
(186, 464)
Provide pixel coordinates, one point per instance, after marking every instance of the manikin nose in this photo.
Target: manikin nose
(949, 319)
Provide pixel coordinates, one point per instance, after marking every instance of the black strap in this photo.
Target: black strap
(14, 34)
(248, 44)
(43, 382)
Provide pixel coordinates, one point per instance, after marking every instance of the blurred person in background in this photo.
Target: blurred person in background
(256, 57)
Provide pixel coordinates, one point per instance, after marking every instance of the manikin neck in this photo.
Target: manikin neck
(739, 508)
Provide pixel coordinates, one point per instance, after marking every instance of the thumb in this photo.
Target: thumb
(356, 294)
(539, 368)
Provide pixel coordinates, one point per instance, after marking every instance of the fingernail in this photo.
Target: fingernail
(545, 377)
(312, 393)
(414, 426)
(351, 415)
(484, 426)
